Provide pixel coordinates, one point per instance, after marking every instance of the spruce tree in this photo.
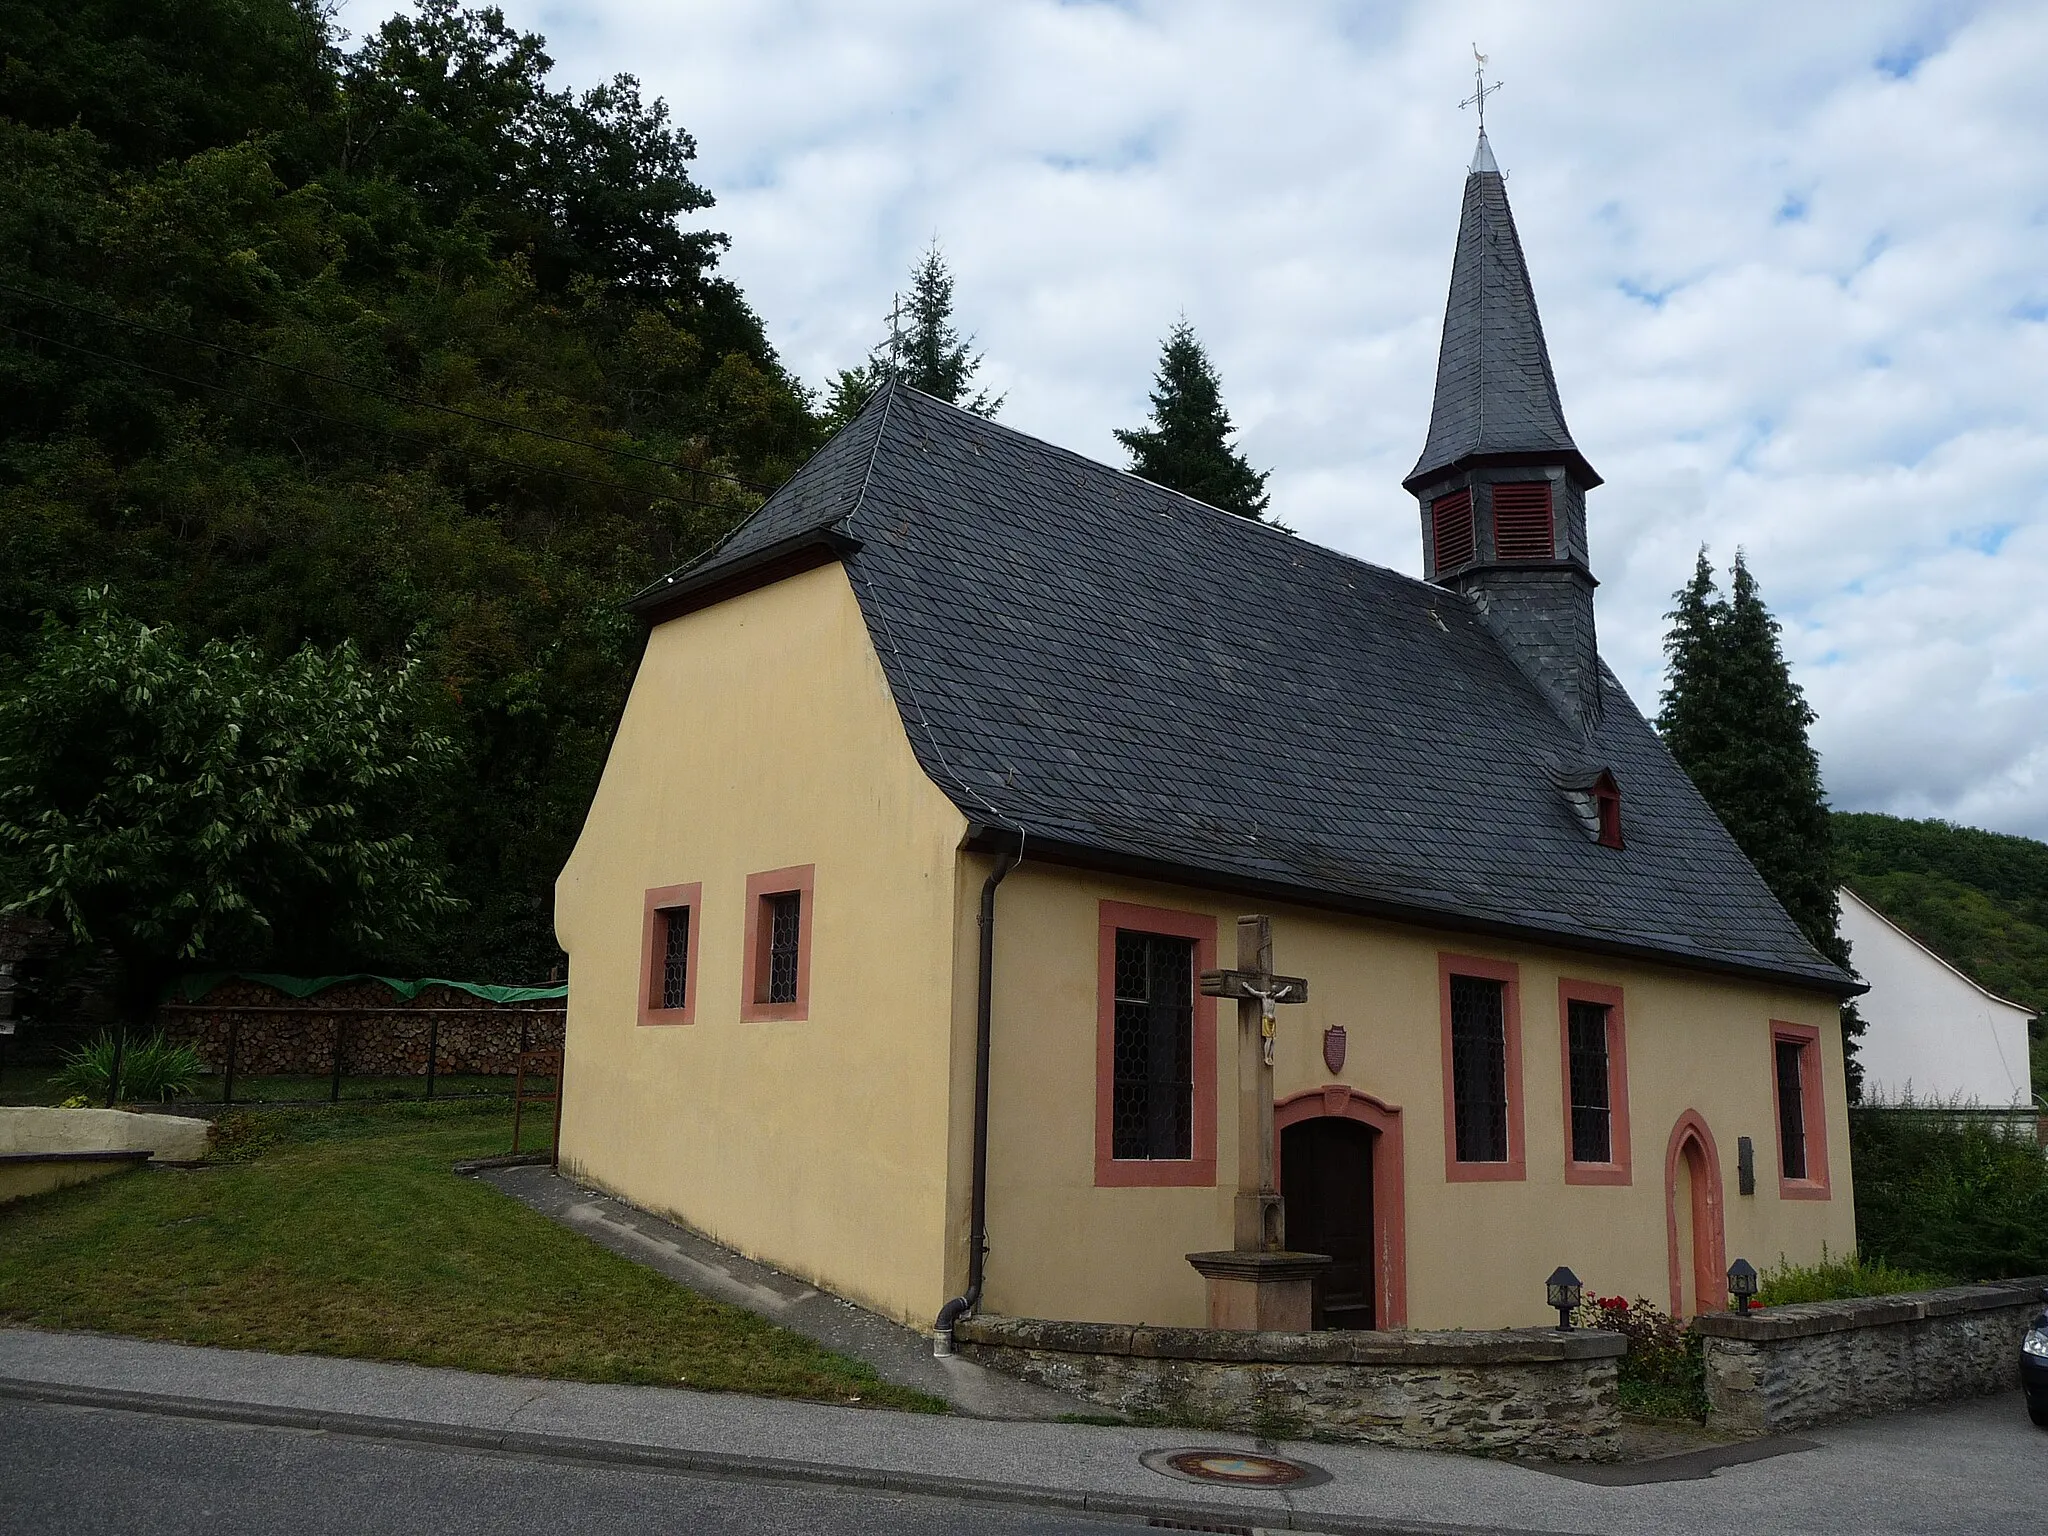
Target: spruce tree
(924, 350)
(1737, 723)
(1187, 447)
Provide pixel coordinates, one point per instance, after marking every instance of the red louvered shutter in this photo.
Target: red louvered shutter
(1521, 521)
(1451, 524)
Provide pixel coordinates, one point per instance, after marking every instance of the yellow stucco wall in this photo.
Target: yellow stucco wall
(1477, 1253)
(760, 734)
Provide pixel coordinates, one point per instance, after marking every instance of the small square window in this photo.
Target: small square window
(781, 917)
(668, 955)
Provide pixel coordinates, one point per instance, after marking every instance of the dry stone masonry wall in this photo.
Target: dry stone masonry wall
(1524, 1392)
(1822, 1361)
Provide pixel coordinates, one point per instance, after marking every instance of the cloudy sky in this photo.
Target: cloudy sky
(1792, 261)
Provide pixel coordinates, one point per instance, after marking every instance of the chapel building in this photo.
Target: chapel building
(963, 738)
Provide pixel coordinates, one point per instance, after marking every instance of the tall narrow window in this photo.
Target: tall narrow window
(1451, 531)
(1522, 528)
(1479, 1069)
(1592, 1109)
(1791, 1109)
(675, 957)
(784, 915)
(1152, 1098)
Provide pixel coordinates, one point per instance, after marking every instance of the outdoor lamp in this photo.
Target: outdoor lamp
(1742, 1283)
(1564, 1291)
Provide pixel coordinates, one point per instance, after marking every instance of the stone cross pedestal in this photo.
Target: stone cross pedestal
(1257, 1284)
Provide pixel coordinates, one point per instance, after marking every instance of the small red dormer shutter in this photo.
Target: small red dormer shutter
(1451, 530)
(1522, 528)
(1608, 797)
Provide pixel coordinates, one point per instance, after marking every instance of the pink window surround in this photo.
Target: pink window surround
(754, 1007)
(1692, 1141)
(1198, 1170)
(1389, 1184)
(1619, 1169)
(654, 949)
(1516, 1166)
(1813, 1111)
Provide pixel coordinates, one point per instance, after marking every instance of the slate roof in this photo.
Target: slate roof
(1495, 393)
(1140, 681)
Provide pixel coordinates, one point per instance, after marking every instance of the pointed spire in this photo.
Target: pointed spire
(1495, 394)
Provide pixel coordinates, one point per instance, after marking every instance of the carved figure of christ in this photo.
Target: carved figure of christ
(1260, 1224)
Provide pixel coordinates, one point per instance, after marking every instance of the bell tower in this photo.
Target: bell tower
(1501, 485)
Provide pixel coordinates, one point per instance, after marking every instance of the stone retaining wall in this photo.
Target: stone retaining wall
(1519, 1391)
(1822, 1361)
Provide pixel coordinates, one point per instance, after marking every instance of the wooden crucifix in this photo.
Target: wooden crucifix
(1260, 1224)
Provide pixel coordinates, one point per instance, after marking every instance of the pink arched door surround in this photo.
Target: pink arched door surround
(1390, 1234)
(1694, 1143)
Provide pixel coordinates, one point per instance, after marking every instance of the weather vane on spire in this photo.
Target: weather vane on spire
(1481, 90)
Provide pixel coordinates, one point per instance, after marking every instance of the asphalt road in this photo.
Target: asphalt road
(88, 1470)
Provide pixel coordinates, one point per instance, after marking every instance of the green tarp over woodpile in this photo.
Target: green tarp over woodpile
(190, 989)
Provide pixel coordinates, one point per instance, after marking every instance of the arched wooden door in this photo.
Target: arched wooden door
(1326, 1178)
(1693, 1218)
(1340, 1169)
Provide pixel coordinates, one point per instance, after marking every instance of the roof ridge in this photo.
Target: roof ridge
(1229, 519)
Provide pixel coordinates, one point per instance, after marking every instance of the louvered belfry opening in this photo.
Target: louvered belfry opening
(1451, 530)
(1153, 1091)
(1522, 525)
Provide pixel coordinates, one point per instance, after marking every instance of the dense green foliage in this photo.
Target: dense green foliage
(1839, 1278)
(924, 349)
(1948, 1194)
(1737, 723)
(153, 1071)
(1187, 446)
(1664, 1373)
(172, 802)
(393, 345)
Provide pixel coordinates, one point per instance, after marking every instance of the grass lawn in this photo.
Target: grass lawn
(341, 1231)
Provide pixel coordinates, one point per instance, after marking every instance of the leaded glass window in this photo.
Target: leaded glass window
(1592, 1110)
(1153, 1092)
(785, 930)
(1479, 1068)
(675, 957)
(1791, 1110)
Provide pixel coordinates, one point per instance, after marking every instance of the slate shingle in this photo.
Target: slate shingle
(1120, 670)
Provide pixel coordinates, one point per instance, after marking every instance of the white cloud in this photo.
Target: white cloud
(1792, 261)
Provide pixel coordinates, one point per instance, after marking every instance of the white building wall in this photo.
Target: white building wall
(1930, 1028)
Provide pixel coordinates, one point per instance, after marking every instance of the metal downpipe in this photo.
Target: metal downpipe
(977, 1222)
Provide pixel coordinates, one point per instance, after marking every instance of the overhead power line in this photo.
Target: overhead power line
(389, 396)
(342, 421)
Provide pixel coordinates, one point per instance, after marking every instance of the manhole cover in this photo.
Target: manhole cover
(1240, 1469)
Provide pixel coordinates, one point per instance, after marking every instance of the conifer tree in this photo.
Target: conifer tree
(1737, 723)
(1187, 447)
(925, 350)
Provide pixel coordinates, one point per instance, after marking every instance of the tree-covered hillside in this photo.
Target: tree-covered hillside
(399, 345)
(1978, 899)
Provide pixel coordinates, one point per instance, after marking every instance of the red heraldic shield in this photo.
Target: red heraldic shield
(1333, 1048)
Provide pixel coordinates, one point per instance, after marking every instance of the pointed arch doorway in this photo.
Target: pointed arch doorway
(1340, 1168)
(1693, 1228)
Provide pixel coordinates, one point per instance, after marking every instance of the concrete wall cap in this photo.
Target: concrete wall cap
(1501, 1346)
(1818, 1317)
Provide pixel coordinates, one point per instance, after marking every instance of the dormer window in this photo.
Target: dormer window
(1607, 802)
(1522, 524)
(1451, 530)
